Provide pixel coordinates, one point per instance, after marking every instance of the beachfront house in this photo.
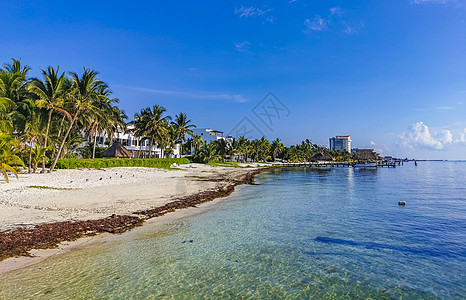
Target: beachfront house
(340, 143)
(209, 135)
(136, 146)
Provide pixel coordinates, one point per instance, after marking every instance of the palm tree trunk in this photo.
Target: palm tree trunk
(61, 126)
(95, 141)
(63, 142)
(46, 138)
(150, 148)
(30, 157)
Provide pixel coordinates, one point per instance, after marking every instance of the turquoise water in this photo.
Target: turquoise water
(296, 234)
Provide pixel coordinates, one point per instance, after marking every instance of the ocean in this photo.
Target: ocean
(297, 233)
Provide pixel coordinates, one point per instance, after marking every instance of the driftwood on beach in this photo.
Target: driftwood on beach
(19, 241)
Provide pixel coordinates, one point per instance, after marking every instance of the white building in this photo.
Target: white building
(137, 147)
(209, 135)
(340, 143)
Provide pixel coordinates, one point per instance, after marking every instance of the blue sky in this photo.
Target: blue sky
(392, 74)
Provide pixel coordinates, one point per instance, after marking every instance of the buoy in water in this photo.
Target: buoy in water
(401, 203)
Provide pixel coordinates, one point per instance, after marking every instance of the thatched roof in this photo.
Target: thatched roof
(321, 155)
(366, 155)
(116, 150)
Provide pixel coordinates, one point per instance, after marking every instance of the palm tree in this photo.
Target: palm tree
(207, 153)
(38, 155)
(232, 148)
(277, 148)
(82, 95)
(51, 94)
(197, 142)
(9, 147)
(13, 87)
(105, 118)
(32, 134)
(182, 123)
(151, 123)
(221, 147)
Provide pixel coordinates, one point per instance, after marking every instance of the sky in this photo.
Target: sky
(392, 74)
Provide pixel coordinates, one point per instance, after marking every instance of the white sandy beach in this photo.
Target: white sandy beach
(93, 194)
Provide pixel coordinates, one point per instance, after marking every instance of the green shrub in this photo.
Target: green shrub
(100, 163)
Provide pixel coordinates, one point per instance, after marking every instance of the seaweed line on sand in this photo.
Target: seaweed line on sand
(18, 242)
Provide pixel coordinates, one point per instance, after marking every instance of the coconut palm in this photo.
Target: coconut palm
(221, 147)
(81, 97)
(207, 153)
(106, 117)
(38, 155)
(51, 93)
(13, 87)
(32, 134)
(182, 123)
(277, 148)
(9, 161)
(152, 124)
(197, 142)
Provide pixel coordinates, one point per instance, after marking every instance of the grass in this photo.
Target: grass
(101, 163)
(43, 187)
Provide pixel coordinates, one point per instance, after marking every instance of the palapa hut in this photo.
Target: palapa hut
(116, 151)
(321, 155)
(365, 155)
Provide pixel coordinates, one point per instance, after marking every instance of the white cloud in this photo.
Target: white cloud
(193, 95)
(242, 46)
(352, 28)
(372, 143)
(251, 11)
(463, 136)
(334, 20)
(418, 135)
(317, 24)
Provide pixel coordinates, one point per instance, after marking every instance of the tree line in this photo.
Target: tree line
(45, 119)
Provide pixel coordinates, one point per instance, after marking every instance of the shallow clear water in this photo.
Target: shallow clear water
(297, 234)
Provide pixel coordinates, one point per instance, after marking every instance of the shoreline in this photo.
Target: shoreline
(26, 246)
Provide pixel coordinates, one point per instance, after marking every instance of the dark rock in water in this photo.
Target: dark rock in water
(401, 203)
(191, 241)
(183, 242)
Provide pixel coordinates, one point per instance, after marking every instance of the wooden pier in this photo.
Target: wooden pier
(335, 164)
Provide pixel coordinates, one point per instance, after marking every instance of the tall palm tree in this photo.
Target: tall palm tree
(152, 124)
(9, 147)
(182, 123)
(81, 96)
(277, 148)
(51, 93)
(13, 81)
